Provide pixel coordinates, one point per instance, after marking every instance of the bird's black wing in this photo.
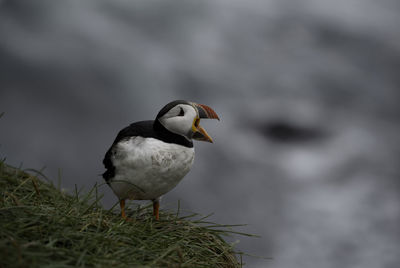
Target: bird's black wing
(142, 128)
(110, 168)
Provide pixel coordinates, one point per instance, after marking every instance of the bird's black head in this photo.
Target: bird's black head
(183, 117)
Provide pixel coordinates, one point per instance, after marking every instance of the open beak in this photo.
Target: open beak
(203, 111)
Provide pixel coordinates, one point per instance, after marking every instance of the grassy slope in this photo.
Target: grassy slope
(41, 226)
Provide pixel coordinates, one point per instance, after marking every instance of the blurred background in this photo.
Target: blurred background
(307, 150)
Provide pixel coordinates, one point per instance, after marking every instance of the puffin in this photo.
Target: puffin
(149, 158)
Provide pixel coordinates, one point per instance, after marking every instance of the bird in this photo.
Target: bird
(149, 158)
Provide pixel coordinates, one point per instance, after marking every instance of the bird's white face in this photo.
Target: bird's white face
(180, 120)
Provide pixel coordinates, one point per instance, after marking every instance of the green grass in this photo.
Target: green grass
(41, 226)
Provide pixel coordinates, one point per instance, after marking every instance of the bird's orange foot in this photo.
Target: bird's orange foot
(122, 205)
(123, 214)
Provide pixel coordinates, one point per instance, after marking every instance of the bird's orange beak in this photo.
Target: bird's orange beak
(203, 111)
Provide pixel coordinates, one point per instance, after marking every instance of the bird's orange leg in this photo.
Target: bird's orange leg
(156, 208)
(122, 205)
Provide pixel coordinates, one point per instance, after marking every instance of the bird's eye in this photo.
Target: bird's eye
(181, 113)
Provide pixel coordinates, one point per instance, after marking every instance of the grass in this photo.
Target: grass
(41, 226)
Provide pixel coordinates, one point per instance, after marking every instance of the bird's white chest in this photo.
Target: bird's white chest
(146, 168)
